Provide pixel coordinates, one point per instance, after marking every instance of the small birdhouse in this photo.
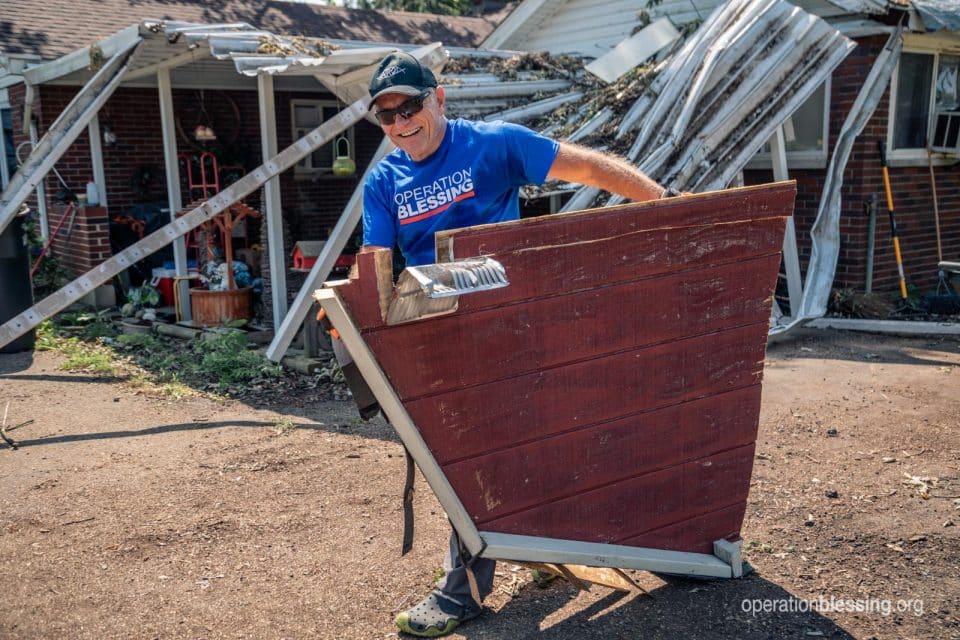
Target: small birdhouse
(305, 253)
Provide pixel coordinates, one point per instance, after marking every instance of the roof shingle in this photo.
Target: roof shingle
(55, 27)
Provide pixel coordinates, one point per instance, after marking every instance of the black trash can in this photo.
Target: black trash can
(16, 292)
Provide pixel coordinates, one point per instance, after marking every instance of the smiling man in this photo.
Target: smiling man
(449, 174)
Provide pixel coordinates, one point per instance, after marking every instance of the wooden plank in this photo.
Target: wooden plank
(603, 576)
(732, 205)
(454, 351)
(365, 295)
(483, 418)
(625, 510)
(517, 478)
(696, 534)
(552, 269)
(555, 269)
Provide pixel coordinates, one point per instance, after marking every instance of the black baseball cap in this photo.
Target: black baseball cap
(401, 73)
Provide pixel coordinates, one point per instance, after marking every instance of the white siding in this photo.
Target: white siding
(685, 11)
(593, 27)
(584, 27)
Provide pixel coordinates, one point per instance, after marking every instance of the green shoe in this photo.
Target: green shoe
(435, 616)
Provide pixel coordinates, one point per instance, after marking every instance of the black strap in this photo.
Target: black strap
(408, 505)
(468, 565)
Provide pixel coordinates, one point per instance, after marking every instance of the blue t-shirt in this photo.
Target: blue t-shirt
(474, 177)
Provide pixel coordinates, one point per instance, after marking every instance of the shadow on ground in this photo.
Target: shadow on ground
(679, 609)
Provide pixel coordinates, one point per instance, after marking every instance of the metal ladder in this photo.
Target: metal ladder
(27, 320)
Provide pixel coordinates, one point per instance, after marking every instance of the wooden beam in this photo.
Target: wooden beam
(604, 576)
(80, 59)
(512, 23)
(349, 219)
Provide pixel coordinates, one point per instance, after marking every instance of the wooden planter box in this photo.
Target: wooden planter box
(215, 308)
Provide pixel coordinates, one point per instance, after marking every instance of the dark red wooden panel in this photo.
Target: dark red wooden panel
(626, 509)
(552, 269)
(479, 419)
(696, 534)
(510, 480)
(611, 393)
(455, 351)
(734, 205)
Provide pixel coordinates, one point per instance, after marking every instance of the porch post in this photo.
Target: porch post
(791, 258)
(273, 212)
(41, 190)
(96, 159)
(172, 170)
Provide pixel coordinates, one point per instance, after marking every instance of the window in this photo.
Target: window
(307, 115)
(925, 106)
(8, 158)
(804, 134)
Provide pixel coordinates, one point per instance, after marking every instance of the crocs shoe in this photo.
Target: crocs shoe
(435, 616)
(542, 578)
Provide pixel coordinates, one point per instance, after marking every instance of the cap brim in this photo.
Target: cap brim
(402, 89)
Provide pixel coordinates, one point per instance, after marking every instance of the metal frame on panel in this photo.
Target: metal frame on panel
(397, 415)
(507, 546)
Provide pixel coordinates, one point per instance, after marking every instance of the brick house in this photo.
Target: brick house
(205, 92)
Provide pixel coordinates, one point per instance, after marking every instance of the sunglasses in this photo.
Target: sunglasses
(407, 109)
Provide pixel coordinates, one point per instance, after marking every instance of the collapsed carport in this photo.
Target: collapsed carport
(750, 65)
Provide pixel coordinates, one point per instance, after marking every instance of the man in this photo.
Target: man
(448, 174)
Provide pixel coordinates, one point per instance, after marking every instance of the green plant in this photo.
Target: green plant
(139, 298)
(85, 356)
(227, 361)
(284, 424)
(50, 275)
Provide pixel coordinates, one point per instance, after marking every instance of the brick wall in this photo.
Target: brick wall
(84, 242)
(862, 179)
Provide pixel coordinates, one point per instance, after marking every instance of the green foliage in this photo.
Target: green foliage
(91, 357)
(228, 361)
(50, 276)
(169, 366)
(283, 425)
(139, 298)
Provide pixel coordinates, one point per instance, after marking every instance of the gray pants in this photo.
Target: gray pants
(454, 584)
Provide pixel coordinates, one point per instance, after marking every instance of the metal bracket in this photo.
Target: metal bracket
(729, 552)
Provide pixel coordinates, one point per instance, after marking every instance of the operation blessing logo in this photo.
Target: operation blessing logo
(430, 199)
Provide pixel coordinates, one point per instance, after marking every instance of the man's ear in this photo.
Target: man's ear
(441, 99)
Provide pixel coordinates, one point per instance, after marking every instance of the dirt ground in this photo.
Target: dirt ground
(124, 515)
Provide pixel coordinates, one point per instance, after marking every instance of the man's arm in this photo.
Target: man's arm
(604, 171)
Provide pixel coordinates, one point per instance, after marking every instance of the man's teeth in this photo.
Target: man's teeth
(407, 135)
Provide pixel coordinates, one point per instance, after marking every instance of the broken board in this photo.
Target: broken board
(606, 400)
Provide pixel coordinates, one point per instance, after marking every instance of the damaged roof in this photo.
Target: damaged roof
(56, 27)
(691, 121)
